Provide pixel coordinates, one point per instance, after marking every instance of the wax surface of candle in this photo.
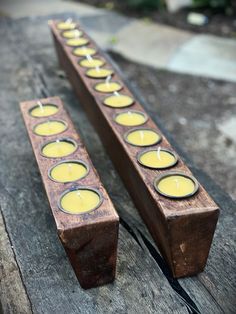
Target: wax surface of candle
(91, 63)
(68, 172)
(130, 118)
(118, 101)
(80, 201)
(109, 87)
(44, 111)
(66, 25)
(84, 51)
(72, 33)
(77, 41)
(143, 137)
(50, 128)
(176, 186)
(101, 73)
(157, 160)
(58, 149)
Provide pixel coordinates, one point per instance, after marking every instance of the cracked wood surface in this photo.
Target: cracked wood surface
(29, 70)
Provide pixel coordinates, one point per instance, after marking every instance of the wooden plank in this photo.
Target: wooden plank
(48, 277)
(90, 238)
(185, 248)
(13, 296)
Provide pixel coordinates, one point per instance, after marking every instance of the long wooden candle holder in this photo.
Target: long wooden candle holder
(90, 237)
(183, 228)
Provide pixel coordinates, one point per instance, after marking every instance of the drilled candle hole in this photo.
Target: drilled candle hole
(59, 148)
(68, 171)
(50, 127)
(84, 51)
(130, 118)
(118, 100)
(90, 62)
(66, 25)
(76, 42)
(80, 200)
(72, 33)
(160, 158)
(43, 110)
(98, 73)
(176, 185)
(142, 137)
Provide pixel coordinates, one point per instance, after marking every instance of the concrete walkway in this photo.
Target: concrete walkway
(151, 44)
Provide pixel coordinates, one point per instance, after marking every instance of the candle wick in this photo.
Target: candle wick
(158, 153)
(89, 58)
(80, 196)
(40, 106)
(97, 69)
(141, 135)
(58, 145)
(116, 94)
(177, 183)
(108, 80)
(77, 32)
(69, 20)
(129, 113)
(69, 169)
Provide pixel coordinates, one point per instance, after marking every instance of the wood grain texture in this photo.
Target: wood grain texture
(144, 283)
(90, 239)
(183, 229)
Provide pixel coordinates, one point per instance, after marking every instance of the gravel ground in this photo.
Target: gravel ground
(200, 113)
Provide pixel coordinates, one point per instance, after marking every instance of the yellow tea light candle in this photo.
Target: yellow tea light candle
(43, 110)
(72, 33)
(176, 185)
(118, 101)
(50, 127)
(91, 62)
(59, 148)
(160, 158)
(98, 73)
(68, 171)
(131, 118)
(80, 201)
(75, 42)
(108, 87)
(66, 25)
(142, 137)
(84, 51)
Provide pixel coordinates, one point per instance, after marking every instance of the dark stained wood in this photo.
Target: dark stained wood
(182, 229)
(89, 239)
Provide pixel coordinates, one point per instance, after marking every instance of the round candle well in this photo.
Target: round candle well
(142, 137)
(98, 73)
(76, 42)
(74, 33)
(84, 51)
(80, 200)
(66, 25)
(50, 127)
(59, 148)
(157, 158)
(68, 171)
(130, 118)
(176, 185)
(43, 110)
(118, 101)
(108, 87)
(91, 63)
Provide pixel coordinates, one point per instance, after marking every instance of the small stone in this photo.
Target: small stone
(197, 19)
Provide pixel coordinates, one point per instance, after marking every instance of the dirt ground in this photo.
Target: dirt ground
(198, 112)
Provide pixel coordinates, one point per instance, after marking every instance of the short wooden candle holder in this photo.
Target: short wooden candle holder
(183, 227)
(89, 236)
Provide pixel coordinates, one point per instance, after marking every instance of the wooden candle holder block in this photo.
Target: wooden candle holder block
(182, 228)
(90, 239)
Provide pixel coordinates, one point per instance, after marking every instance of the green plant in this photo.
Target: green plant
(144, 4)
(212, 3)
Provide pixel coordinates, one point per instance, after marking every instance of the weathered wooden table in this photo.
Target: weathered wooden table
(35, 275)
